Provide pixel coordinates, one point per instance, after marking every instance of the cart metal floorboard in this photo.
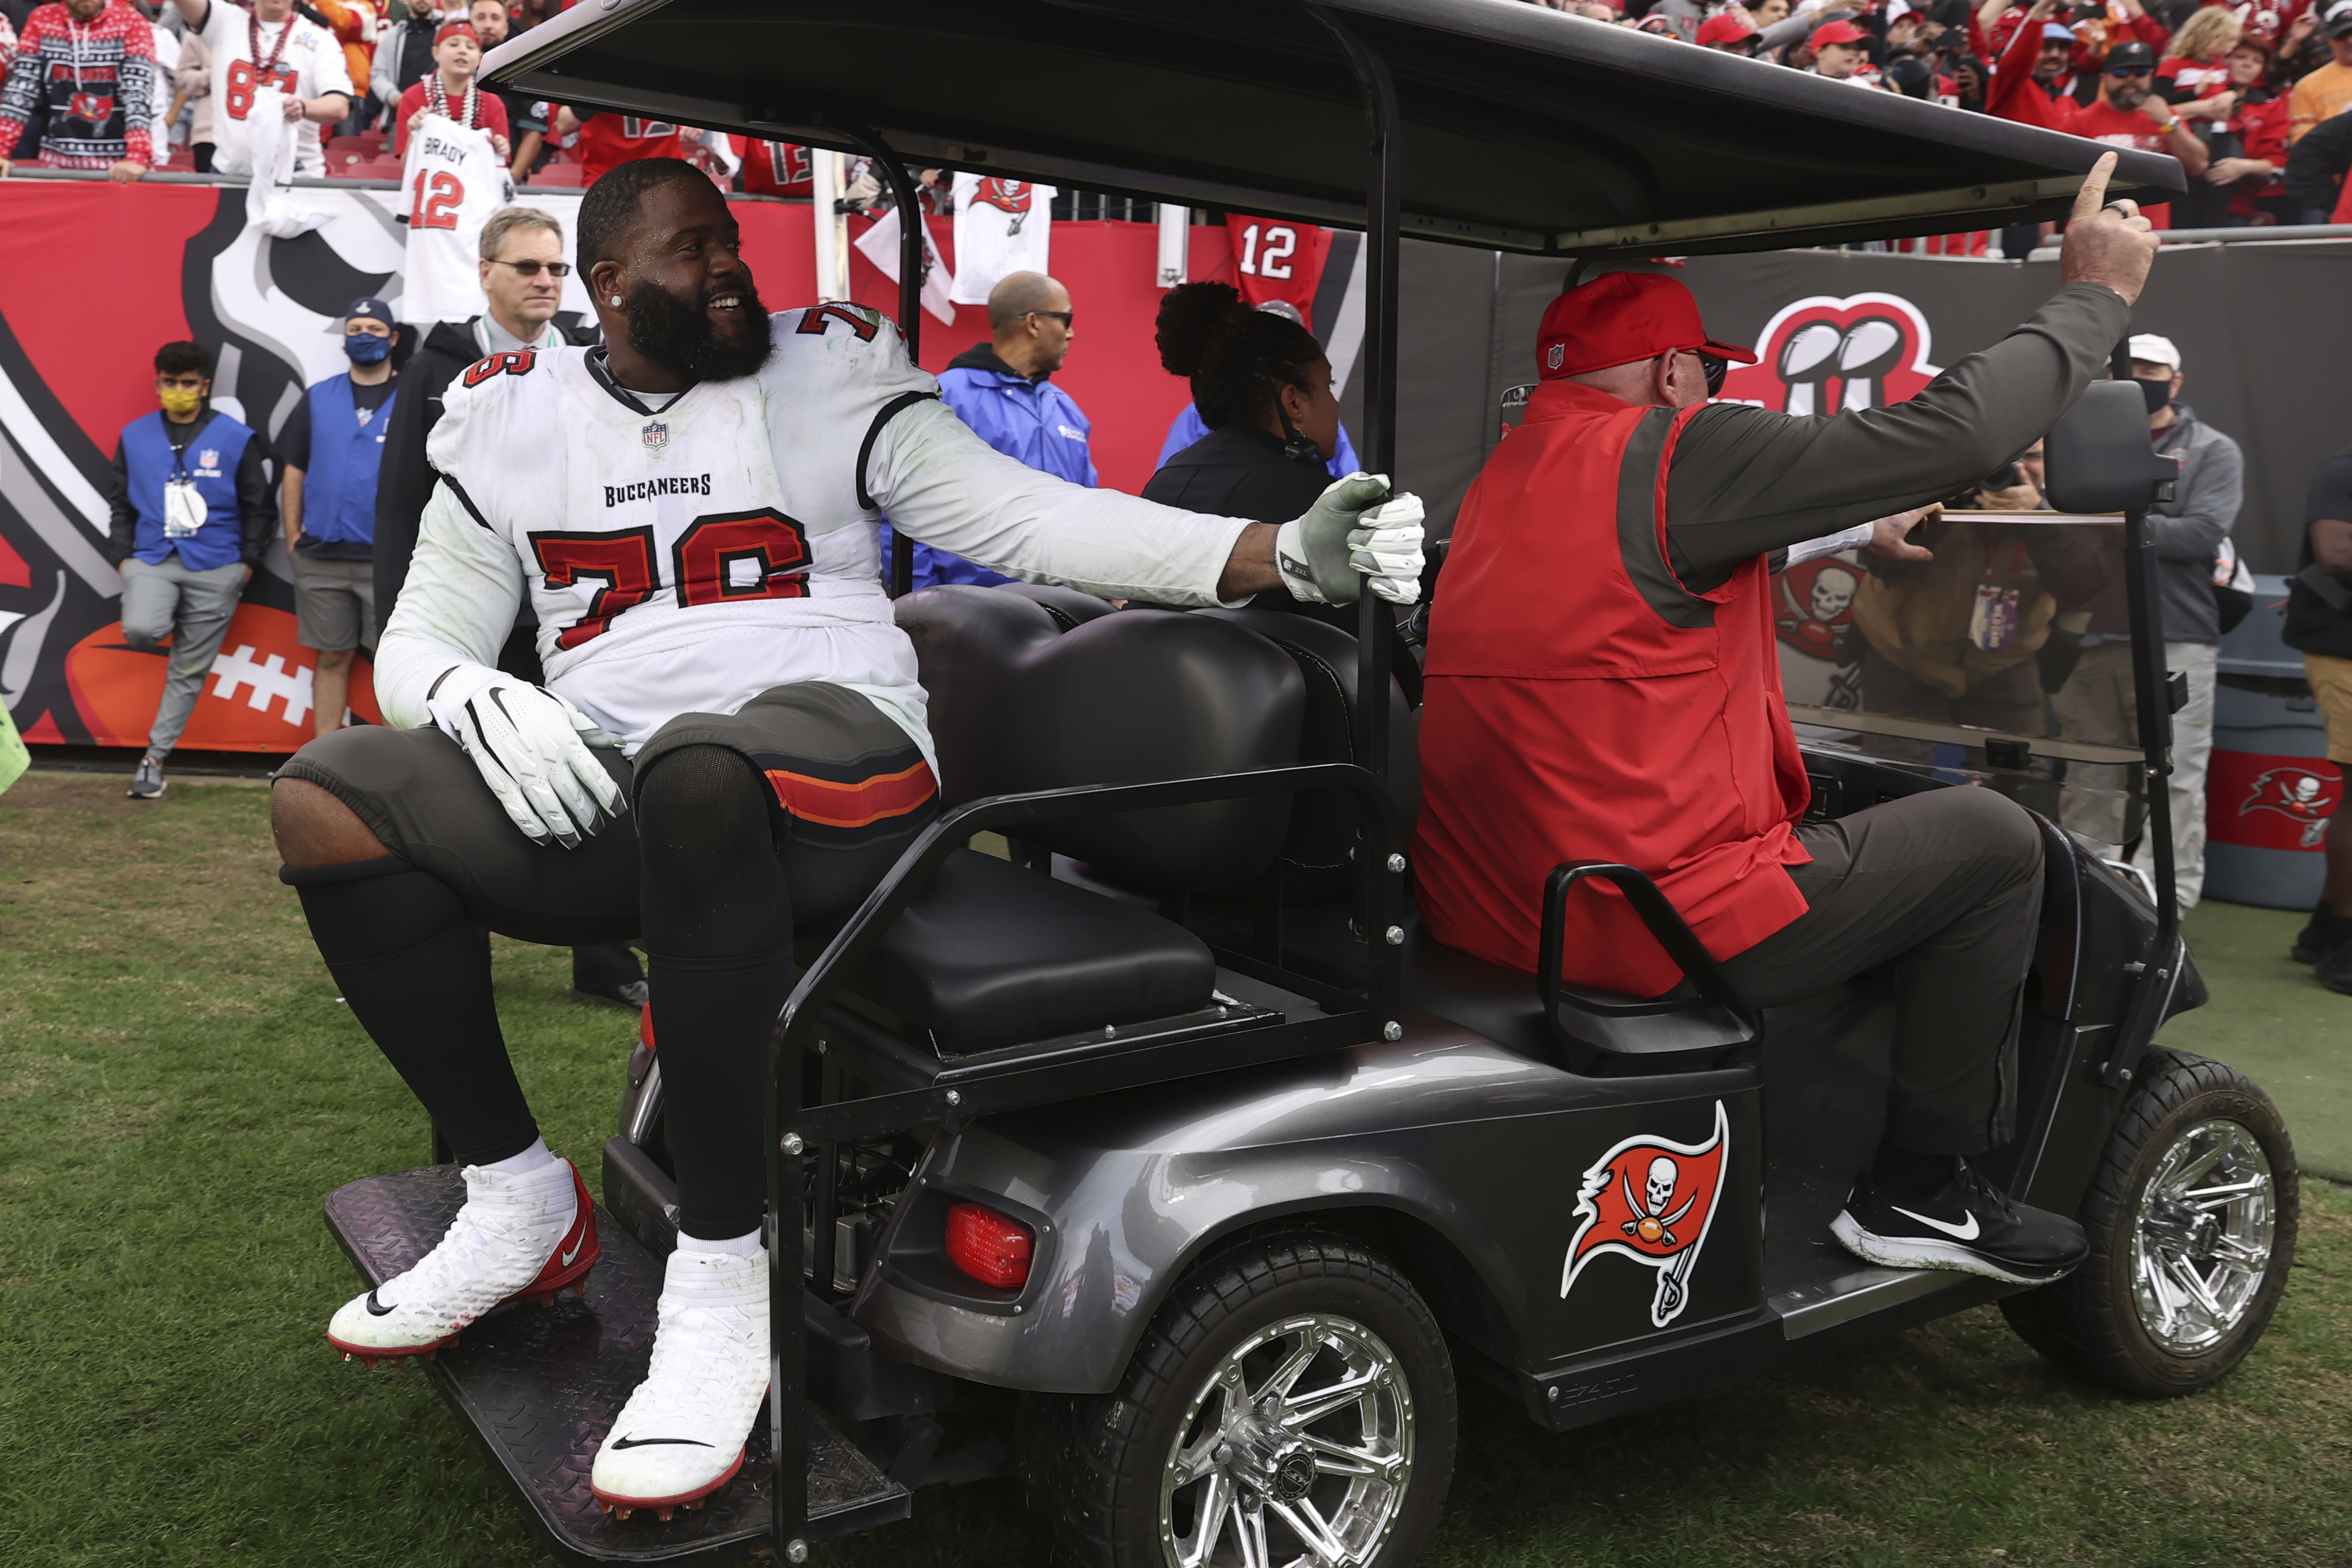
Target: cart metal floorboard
(540, 1386)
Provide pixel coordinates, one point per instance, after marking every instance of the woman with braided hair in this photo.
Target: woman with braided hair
(1263, 386)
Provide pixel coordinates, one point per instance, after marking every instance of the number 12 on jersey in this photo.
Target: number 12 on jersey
(723, 559)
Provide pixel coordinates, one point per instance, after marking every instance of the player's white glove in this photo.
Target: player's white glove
(532, 748)
(1357, 529)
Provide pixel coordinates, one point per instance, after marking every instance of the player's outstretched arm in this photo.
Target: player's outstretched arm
(436, 666)
(947, 487)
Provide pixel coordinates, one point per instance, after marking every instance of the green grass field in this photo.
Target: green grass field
(179, 1088)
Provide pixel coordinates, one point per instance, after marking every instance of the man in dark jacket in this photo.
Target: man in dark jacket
(192, 515)
(2315, 167)
(522, 275)
(2319, 627)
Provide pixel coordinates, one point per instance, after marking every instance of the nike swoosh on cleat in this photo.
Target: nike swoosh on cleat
(582, 1240)
(649, 1442)
(375, 1309)
(1956, 1232)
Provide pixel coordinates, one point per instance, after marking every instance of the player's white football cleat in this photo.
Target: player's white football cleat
(680, 1437)
(532, 1236)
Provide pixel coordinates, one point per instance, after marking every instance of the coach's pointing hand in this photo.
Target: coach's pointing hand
(2110, 244)
(532, 749)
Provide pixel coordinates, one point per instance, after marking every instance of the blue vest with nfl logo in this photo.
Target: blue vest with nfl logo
(210, 463)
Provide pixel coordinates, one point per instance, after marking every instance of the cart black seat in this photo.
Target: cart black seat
(1023, 699)
(990, 955)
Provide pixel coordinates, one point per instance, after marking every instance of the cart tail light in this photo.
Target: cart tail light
(990, 1247)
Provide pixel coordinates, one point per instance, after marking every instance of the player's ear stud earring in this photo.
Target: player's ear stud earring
(616, 302)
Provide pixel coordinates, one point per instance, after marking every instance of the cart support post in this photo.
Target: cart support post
(1379, 886)
(2151, 693)
(910, 302)
(787, 1376)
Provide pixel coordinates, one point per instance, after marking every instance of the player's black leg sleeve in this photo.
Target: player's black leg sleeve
(416, 973)
(718, 930)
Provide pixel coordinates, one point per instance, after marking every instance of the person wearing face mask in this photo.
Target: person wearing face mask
(190, 516)
(2096, 702)
(332, 448)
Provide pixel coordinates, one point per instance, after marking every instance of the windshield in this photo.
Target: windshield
(2002, 661)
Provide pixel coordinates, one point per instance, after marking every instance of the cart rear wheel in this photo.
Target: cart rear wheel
(1293, 1402)
(2192, 1223)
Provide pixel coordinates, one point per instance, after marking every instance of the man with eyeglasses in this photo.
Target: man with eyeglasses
(1602, 683)
(1003, 391)
(2130, 112)
(522, 272)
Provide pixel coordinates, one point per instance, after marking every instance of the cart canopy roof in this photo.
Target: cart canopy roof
(1523, 128)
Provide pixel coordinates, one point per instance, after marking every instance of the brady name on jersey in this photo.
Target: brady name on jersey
(685, 554)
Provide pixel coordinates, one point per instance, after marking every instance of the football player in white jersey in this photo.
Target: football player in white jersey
(731, 742)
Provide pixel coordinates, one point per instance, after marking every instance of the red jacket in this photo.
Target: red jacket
(1566, 719)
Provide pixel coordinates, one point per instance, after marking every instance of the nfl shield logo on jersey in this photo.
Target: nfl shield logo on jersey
(656, 436)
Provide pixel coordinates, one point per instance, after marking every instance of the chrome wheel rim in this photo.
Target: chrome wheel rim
(1296, 1452)
(2202, 1242)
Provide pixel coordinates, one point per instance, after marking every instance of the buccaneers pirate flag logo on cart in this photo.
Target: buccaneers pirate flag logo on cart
(1651, 1200)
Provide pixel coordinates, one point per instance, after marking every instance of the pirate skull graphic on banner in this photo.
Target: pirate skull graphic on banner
(1652, 1200)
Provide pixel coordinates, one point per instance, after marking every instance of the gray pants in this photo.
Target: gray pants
(2097, 704)
(192, 609)
(1946, 888)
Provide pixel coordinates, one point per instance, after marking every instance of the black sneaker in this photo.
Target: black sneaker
(1970, 1226)
(2334, 970)
(2321, 935)
(148, 782)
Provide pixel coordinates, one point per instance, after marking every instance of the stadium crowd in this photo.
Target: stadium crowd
(2231, 90)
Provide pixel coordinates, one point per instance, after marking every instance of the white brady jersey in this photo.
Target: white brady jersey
(688, 560)
(450, 183)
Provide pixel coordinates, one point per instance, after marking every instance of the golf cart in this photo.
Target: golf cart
(1175, 1121)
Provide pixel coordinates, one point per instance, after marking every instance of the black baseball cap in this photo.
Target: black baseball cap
(2339, 21)
(2129, 57)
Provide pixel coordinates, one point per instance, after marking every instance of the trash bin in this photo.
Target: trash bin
(2272, 788)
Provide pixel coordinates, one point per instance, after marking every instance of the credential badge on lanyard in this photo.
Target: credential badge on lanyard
(183, 508)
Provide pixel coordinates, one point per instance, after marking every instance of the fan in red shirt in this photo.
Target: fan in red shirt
(2033, 54)
(449, 90)
(607, 140)
(778, 169)
(2251, 151)
(2127, 113)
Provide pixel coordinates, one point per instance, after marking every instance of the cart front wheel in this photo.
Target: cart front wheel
(1293, 1403)
(2192, 1224)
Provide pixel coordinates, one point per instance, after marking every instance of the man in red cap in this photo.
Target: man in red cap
(1602, 684)
(1730, 31)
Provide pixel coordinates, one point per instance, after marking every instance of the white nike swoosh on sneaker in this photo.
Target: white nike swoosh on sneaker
(1956, 1232)
(582, 1240)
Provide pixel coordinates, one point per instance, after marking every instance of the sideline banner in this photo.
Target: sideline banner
(95, 277)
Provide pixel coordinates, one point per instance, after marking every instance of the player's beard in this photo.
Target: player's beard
(679, 338)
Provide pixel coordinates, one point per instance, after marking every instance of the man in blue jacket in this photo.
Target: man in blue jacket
(333, 446)
(1001, 389)
(192, 516)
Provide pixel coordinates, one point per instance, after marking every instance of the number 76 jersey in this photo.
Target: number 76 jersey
(450, 183)
(685, 555)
